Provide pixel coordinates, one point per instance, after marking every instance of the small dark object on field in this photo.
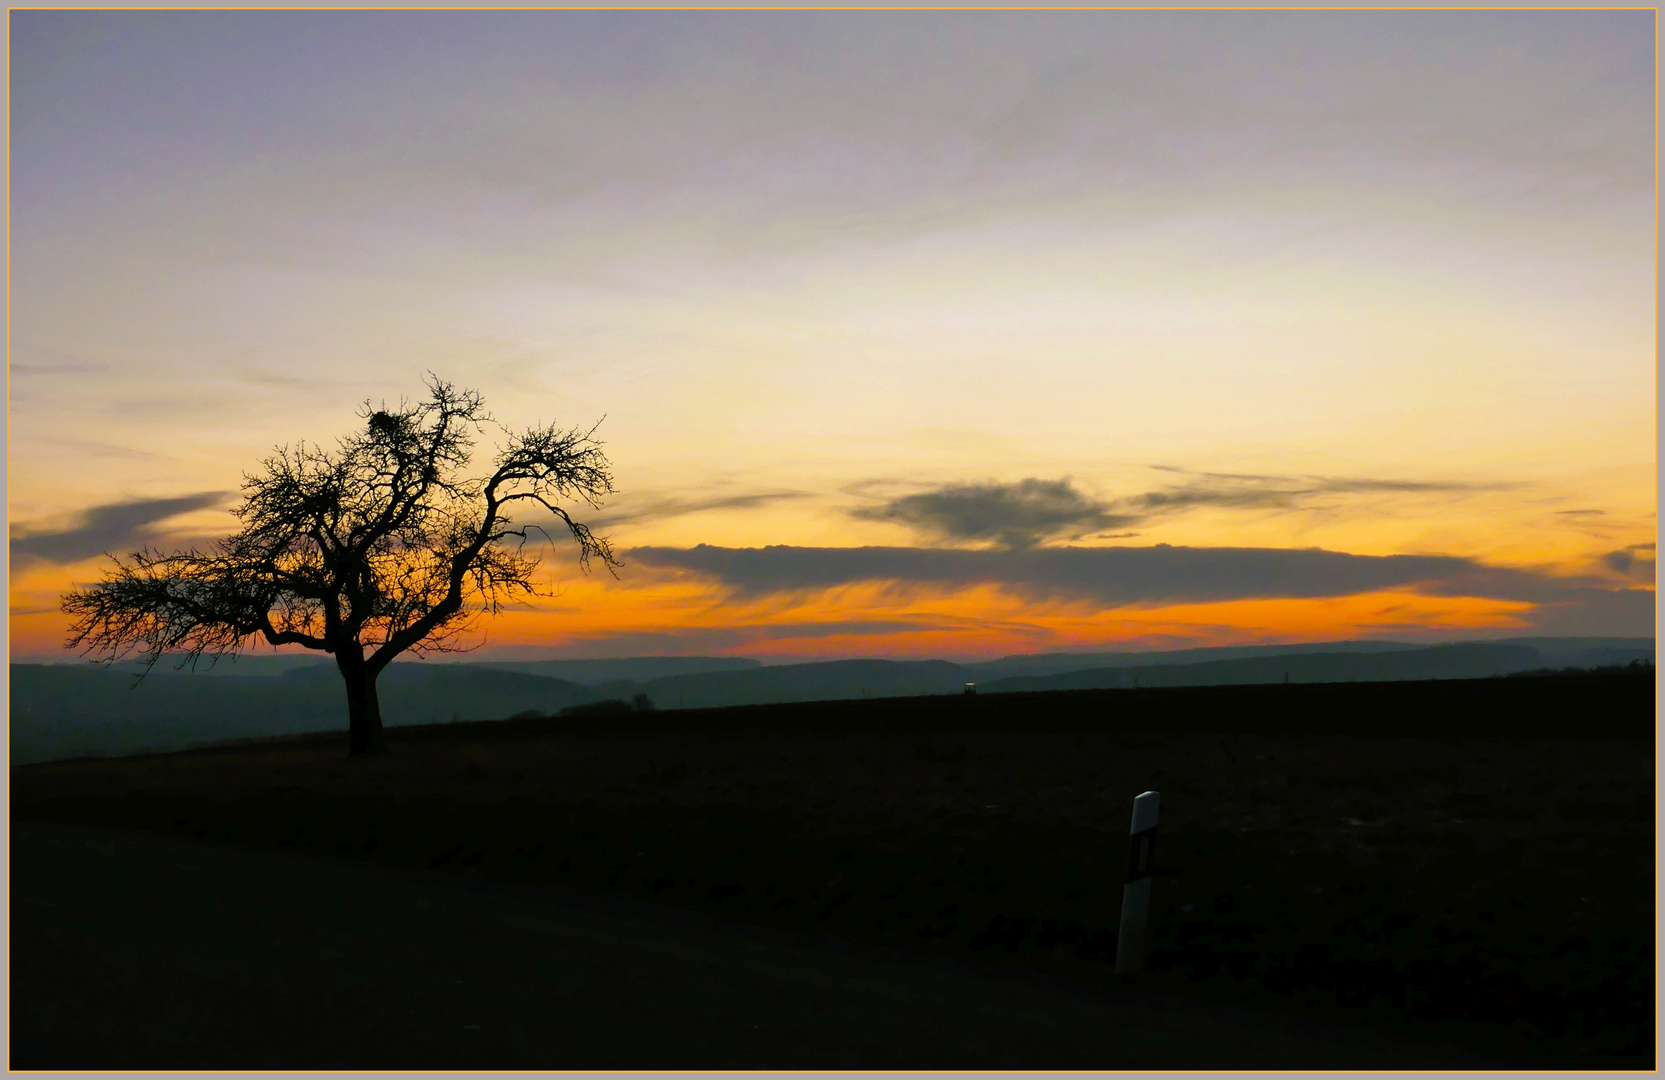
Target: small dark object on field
(610, 707)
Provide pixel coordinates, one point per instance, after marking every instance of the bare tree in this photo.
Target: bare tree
(381, 547)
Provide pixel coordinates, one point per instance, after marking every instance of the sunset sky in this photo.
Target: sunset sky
(949, 334)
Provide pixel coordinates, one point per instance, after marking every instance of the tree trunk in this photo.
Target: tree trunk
(364, 711)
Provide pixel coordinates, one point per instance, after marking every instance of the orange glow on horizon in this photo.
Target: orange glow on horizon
(891, 619)
(1379, 288)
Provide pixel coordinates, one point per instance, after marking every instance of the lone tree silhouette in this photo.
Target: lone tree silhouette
(381, 547)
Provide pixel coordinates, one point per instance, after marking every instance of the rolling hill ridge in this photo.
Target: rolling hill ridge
(72, 710)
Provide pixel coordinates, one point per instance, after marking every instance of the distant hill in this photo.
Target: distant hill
(63, 710)
(69, 710)
(1586, 652)
(825, 681)
(631, 669)
(1469, 661)
(1344, 662)
(1059, 663)
(586, 672)
(231, 667)
(1554, 652)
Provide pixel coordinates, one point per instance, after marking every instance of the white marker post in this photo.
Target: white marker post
(1141, 853)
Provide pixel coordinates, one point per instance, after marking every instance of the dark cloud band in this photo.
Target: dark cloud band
(1113, 576)
(111, 527)
(1016, 515)
(1033, 511)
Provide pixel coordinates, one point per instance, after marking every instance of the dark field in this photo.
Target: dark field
(1465, 862)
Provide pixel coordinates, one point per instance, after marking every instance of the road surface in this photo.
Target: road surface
(134, 950)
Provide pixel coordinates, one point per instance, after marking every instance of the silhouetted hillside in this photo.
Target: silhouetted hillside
(1555, 652)
(826, 681)
(258, 665)
(1440, 662)
(70, 710)
(1042, 664)
(633, 669)
(61, 711)
(1347, 662)
(1587, 652)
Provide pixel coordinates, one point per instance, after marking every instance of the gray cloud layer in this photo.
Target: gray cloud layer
(526, 100)
(1262, 492)
(1121, 576)
(111, 527)
(1636, 561)
(1016, 515)
(1031, 511)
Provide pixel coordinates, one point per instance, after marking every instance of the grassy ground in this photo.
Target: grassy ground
(1493, 891)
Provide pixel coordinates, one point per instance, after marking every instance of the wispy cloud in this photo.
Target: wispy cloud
(1250, 491)
(1636, 561)
(662, 508)
(689, 640)
(93, 447)
(1033, 511)
(50, 369)
(111, 527)
(1018, 515)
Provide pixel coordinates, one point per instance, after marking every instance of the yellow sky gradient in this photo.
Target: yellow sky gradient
(1381, 283)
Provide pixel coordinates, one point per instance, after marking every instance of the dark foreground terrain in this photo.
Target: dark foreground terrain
(221, 956)
(1464, 863)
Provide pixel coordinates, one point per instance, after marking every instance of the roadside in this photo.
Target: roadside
(1491, 893)
(136, 950)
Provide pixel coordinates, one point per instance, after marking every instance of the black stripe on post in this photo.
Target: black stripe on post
(1141, 855)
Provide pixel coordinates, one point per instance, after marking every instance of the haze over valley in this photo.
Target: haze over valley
(72, 710)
